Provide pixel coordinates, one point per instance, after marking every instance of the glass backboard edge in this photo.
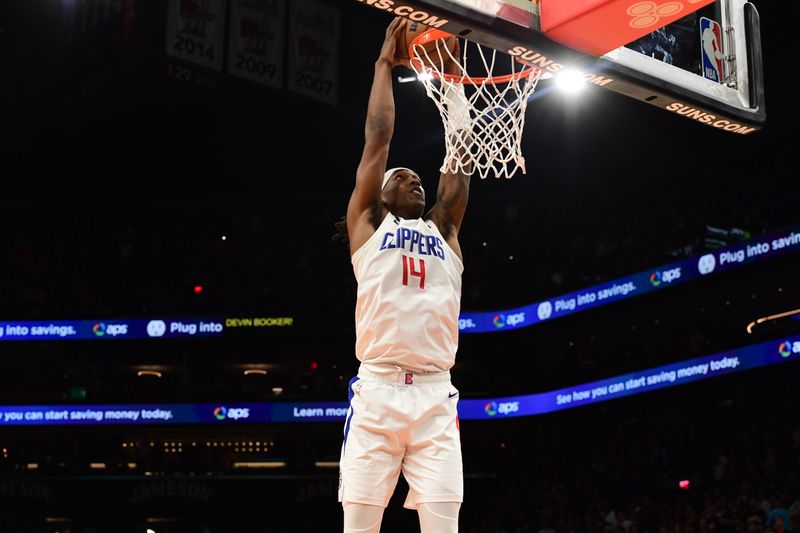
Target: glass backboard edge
(728, 114)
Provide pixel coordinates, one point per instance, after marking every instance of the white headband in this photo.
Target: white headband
(388, 174)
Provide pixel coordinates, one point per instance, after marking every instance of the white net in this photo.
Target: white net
(483, 124)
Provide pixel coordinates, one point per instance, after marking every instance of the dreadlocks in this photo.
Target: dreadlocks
(341, 232)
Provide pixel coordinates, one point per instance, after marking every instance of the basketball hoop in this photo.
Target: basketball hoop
(486, 132)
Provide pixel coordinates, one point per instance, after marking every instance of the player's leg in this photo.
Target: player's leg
(371, 456)
(362, 518)
(438, 517)
(432, 464)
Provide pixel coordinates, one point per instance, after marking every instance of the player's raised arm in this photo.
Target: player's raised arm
(451, 202)
(364, 209)
(453, 190)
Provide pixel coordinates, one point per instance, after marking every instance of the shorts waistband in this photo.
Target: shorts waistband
(405, 377)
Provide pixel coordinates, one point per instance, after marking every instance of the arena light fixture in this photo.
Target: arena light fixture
(761, 320)
(571, 81)
(259, 464)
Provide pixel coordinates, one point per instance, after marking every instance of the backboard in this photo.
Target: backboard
(700, 59)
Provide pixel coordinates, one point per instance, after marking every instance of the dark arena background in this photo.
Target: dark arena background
(177, 323)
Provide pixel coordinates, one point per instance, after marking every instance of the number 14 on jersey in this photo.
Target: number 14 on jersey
(410, 269)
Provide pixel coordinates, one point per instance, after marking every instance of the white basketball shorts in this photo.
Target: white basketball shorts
(401, 422)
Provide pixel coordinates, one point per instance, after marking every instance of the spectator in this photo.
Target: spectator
(780, 514)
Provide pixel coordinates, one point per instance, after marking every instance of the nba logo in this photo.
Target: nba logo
(711, 49)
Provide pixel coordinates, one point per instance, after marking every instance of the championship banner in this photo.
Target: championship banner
(255, 45)
(314, 50)
(196, 31)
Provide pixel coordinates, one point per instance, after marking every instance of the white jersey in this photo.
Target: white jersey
(409, 298)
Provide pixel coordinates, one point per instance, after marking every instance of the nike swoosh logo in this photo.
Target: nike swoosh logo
(451, 395)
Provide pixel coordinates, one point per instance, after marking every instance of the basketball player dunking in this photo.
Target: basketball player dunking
(402, 414)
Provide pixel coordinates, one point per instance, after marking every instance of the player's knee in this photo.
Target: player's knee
(438, 517)
(362, 518)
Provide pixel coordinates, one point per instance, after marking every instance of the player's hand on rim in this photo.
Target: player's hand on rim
(453, 64)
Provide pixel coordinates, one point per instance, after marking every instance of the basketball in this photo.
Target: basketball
(415, 29)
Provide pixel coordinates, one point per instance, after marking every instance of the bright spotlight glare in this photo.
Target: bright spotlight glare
(570, 81)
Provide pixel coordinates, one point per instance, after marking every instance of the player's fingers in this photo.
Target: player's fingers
(455, 54)
(397, 31)
(391, 30)
(398, 25)
(394, 25)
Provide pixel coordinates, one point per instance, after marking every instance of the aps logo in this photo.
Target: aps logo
(668, 276)
(504, 408)
(222, 412)
(787, 348)
(100, 329)
(500, 320)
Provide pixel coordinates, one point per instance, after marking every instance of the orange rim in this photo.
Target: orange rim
(432, 35)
